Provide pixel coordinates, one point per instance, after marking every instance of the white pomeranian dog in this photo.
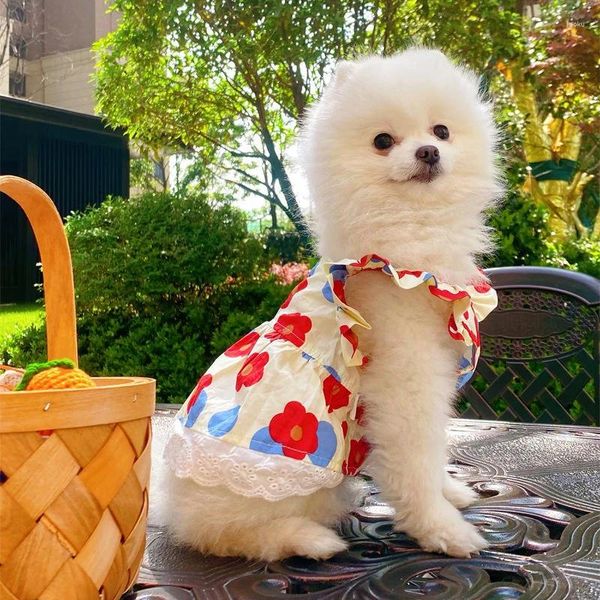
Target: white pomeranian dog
(399, 158)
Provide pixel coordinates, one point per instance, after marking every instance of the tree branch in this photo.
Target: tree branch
(251, 177)
(235, 153)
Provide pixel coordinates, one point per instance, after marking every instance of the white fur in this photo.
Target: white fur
(364, 202)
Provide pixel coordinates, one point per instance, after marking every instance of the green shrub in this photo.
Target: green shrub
(163, 284)
(24, 347)
(285, 246)
(522, 238)
(576, 255)
(159, 249)
(520, 233)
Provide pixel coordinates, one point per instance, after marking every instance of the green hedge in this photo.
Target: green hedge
(522, 238)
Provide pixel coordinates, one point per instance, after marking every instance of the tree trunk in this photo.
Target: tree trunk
(273, 216)
(280, 175)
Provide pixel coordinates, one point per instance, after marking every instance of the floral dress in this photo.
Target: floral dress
(278, 413)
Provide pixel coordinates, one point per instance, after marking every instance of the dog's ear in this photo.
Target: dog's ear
(343, 71)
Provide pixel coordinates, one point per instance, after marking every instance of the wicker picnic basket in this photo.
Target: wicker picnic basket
(75, 463)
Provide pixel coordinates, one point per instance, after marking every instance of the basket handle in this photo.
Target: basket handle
(59, 293)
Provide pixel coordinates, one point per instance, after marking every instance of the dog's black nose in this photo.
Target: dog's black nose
(428, 154)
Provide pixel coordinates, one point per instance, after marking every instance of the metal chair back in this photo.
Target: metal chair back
(539, 360)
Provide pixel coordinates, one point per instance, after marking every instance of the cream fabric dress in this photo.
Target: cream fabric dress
(278, 413)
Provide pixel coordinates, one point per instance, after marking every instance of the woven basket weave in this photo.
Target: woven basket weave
(75, 464)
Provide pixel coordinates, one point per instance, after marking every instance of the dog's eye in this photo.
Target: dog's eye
(383, 141)
(441, 131)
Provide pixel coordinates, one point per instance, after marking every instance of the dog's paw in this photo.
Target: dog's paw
(458, 493)
(315, 541)
(460, 539)
(444, 530)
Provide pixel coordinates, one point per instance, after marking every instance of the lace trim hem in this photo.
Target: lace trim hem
(212, 462)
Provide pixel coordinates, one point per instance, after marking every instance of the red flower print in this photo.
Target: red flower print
(203, 382)
(336, 395)
(296, 430)
(473, 334)
(482, 287)
(345, 428)
(358, 452)
(252, 370)
(347, 332)
(338, 289)
(292, 327)
(453, 329)
(362, 262)
(297, 289)
(447, 294)
(244, 346)
(413, 273)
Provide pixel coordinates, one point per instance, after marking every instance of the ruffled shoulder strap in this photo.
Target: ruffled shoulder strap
(470, 305)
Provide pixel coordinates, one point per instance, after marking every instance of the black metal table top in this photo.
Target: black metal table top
(539, 509)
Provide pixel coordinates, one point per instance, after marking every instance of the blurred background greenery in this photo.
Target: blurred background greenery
(229, 82)
(212, 94)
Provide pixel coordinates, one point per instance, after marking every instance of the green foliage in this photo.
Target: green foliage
(228, 82)
(159, 249)
(25, 346)
(285, 246)
(522, 238)
(519, 233)
(563, 50)
(163, 284)
(519, 225)
(141, 173)
(19, 316)
(576, 255)
(147, 171)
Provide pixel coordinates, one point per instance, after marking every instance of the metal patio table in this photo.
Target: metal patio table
(539, 509)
